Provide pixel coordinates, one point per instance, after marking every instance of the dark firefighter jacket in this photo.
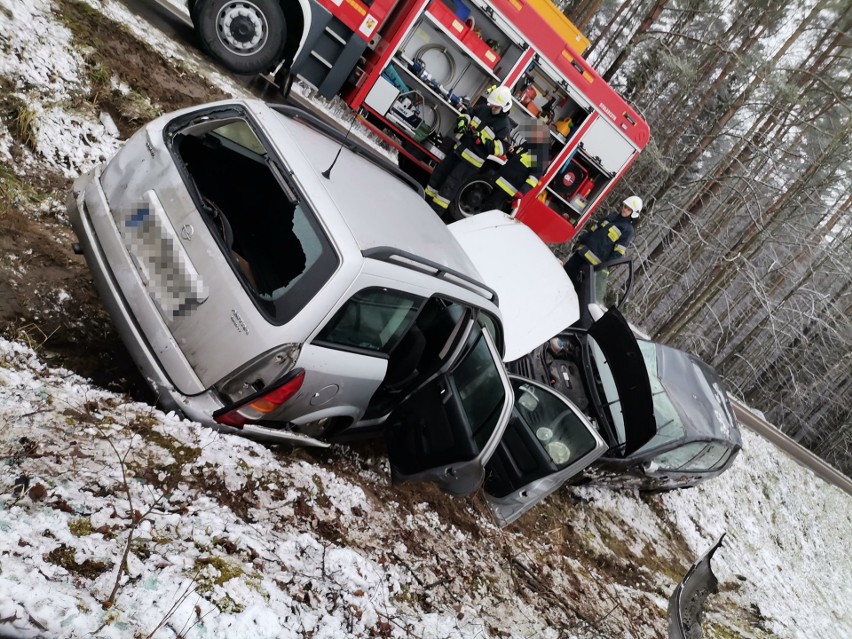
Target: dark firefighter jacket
(523, 169)
(482, 133)
(606, 240)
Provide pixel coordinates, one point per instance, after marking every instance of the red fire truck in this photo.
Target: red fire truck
(410, 67)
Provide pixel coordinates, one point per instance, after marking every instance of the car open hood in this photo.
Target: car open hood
(615, 338)
(536, 297)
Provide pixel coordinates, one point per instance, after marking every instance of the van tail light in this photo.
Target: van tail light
(256, 407)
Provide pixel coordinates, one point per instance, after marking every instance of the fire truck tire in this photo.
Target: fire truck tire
(246, 36)
(469, 199)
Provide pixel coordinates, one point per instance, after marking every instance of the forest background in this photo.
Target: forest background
(743, 250)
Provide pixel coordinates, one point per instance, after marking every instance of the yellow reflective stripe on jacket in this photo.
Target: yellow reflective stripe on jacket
(487, 133)
(473, 158)
(498, 148)
(620, 249)
(532, 181)
(504, 184)
(614, 233)
(526, 160)
(430, 192)
(475, 122)
(593, 259)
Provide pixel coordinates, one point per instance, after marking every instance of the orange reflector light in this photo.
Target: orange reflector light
(255, 407)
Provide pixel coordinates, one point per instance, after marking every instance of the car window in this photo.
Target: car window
(559, 429)
(479, 387)
(610, 392)
(610, 284)
(680, 457)
(669, 424)
(373, 319)
(272, 238)
(241, 134)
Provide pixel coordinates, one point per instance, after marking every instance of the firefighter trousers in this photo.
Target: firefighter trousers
(446, 180)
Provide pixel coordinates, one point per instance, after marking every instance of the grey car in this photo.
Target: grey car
(664, 414)
(273, 278)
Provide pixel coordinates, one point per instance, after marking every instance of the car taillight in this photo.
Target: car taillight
(255, 407)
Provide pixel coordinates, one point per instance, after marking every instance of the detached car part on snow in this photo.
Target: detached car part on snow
(263, 293)
(686, 605)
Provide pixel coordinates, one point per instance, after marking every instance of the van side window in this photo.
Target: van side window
(373, 319)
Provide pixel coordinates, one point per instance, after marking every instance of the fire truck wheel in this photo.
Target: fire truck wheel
(470, 198)
(246, 36)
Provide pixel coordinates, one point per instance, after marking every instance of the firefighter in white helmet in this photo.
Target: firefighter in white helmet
(484, 131)
(604, 241)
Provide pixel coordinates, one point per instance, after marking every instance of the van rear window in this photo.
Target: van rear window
(273, 241)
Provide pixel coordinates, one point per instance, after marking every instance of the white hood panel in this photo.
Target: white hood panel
(537, 299)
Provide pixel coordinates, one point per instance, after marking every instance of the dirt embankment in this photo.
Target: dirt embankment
(47, 299)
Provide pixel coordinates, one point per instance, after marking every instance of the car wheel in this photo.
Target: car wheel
(470, 198)
(247, 36)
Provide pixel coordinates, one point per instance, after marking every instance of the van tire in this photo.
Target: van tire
(227, 30)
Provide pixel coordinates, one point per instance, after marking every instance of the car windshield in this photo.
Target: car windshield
(669, 423)
(694, 457)
(610, 397)
(562, 433)
(480, 388)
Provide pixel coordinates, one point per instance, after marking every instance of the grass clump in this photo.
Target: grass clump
(19, 118)
(80, 527)
(64, 556)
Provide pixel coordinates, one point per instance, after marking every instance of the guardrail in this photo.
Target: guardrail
(802, 455)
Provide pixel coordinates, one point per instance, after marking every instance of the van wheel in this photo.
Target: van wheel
(469, 199)
(246, 36)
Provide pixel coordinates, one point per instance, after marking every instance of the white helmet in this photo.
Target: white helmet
(500, 97)
(634, 203)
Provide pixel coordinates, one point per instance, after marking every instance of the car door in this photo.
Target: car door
(449, 427)
(547, 441)
(604, 286)
(348, 359)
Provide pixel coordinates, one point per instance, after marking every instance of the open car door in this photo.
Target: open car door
(448, 428)
(604, 286)
(546, 442)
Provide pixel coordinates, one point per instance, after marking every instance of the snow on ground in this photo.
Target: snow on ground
(230, 538)
(225, 537)
(43, 68)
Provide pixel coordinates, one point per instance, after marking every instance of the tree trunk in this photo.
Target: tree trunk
(650, 18)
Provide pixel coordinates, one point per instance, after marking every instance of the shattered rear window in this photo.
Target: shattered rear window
(273, 240)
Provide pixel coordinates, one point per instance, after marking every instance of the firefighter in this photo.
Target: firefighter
(605, 241)
(483, 132)
(528, 157)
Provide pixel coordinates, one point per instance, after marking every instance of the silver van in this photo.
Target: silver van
(272, 277)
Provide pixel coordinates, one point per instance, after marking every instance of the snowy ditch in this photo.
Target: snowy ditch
(224, 537)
